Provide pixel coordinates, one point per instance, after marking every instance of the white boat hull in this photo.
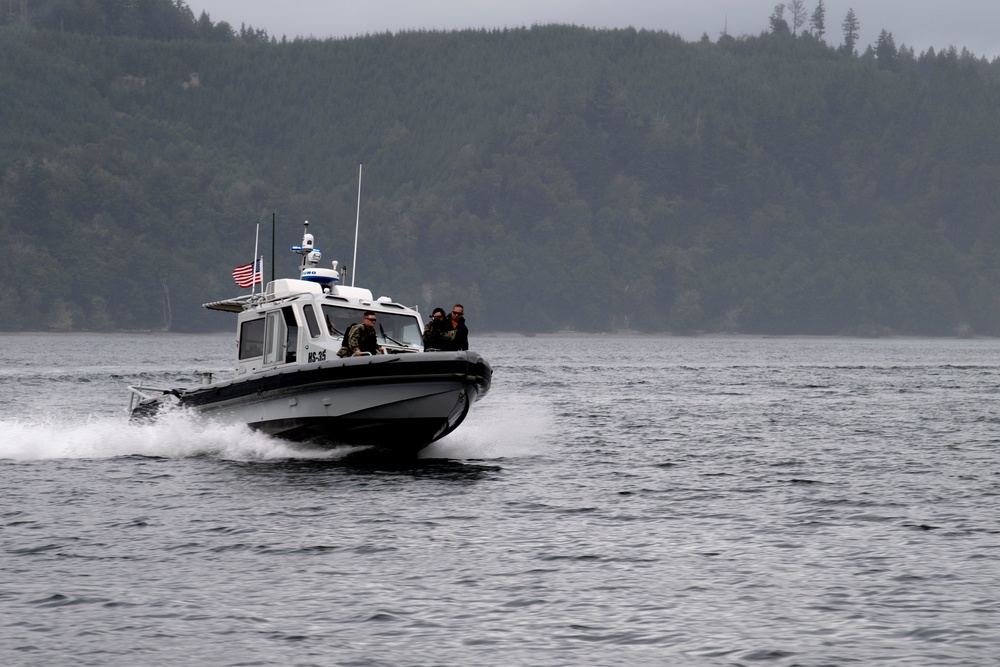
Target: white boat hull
(400, 402)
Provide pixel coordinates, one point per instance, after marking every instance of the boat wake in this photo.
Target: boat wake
(515, 428)
(497, 431)
(175, 435)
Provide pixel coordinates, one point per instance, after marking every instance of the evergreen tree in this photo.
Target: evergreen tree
(818, 20)
(777, 20)
(851, 27)
(885, 50)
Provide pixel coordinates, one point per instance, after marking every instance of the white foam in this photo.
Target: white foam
(173, 435)
(518, 427)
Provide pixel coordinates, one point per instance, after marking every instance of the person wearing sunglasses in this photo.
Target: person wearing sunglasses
(361, 338)
(461, 330)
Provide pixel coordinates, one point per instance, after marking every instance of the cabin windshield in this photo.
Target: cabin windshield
(391, 328)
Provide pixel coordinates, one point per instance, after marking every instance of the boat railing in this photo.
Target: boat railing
(139, 393)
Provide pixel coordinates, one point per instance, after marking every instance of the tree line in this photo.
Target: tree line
(141, 19)
(549, 178)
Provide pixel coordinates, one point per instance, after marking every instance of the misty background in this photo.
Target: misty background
(557, 177)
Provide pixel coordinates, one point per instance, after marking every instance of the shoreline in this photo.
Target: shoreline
(720, 336)
(548, 335)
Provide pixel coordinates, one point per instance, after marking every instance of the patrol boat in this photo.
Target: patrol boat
(289, 382)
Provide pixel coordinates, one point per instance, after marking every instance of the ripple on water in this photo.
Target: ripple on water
(615, 501)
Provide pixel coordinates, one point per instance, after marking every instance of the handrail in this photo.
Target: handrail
(140, 393)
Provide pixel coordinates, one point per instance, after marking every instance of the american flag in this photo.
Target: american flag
(248, 274)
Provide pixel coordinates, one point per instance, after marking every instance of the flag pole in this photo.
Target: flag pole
(253, 269)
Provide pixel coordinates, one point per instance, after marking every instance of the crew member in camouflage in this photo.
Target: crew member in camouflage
(361, 338)
(439, 334)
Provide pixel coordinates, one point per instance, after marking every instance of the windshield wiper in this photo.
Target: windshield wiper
(387, 337)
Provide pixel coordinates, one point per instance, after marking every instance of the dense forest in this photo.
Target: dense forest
(549, 178)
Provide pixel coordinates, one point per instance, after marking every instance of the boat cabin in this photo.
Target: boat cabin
(303, 322)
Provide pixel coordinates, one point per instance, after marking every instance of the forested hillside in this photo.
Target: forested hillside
(549, 178)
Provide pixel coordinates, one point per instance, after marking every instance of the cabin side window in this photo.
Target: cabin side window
(292, 334)
(274, 337)
(311, 321)
(252, 339)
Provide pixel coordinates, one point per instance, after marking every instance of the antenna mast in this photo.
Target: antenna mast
(357, 223)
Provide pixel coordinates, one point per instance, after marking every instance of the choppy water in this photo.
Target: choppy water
(613, 501)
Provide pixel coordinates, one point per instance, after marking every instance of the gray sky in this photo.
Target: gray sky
(920, 24)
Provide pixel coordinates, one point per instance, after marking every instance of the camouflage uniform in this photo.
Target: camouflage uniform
(361, 338)
(439, 335)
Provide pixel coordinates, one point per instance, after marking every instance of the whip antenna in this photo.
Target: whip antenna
(357, 223)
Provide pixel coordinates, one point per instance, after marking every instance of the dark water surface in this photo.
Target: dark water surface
(613, 501)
